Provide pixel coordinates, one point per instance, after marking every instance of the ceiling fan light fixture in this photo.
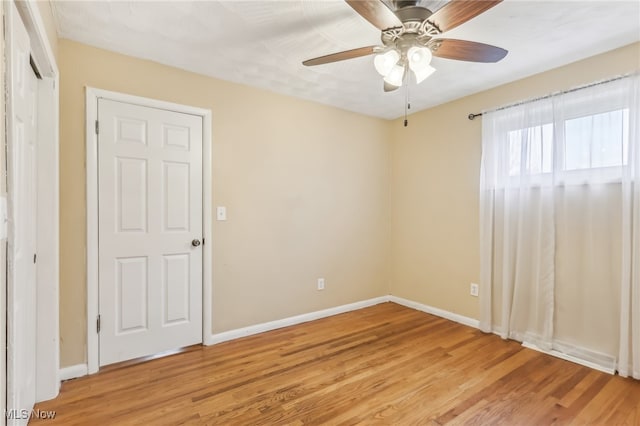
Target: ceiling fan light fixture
(419, 58)
(384, 62)
(395, 76)
(419, 62)
(423, 73)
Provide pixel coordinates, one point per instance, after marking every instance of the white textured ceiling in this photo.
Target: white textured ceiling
(262, 44)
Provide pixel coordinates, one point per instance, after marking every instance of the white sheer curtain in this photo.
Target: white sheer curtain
(629, 353)
(560, 224)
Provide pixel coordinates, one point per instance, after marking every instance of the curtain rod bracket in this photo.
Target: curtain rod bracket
(472, 116)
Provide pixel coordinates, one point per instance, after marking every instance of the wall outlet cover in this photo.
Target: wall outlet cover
(474, 289)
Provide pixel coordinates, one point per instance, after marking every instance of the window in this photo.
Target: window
(600, 140)
(559, 234)
(587, 142)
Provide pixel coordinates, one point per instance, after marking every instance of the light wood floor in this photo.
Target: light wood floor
(381, 365)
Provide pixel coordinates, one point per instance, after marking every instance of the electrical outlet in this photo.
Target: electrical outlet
(320, 283)
(473, 290)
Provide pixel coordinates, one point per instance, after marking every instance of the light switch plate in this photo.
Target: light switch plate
(221, 213)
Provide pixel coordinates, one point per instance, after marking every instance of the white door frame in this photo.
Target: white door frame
(92, 96)
(47, 188)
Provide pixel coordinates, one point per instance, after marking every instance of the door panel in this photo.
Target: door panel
(131, 294)
(176, 189)
(131, 195)
(150, 209)
(21, 180)
(176, 292)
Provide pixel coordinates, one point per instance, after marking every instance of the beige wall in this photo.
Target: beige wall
(435, 184)
(306, 189)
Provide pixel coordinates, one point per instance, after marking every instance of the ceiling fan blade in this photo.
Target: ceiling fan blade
(457, 12)
(463, 50)
(340, 56)
(390, 87)
(376, 12)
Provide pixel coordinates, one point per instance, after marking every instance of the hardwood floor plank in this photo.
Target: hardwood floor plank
(382, 365)
(563, 389)
(628, 412)
(602, 404)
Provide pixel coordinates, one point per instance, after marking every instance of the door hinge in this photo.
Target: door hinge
(34, 258)
(97, 128)
(98, 324)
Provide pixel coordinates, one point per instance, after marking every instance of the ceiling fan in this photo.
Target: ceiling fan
(411, 36)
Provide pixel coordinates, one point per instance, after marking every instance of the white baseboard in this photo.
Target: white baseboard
(298, 319)
(435, 311)
(80, 370)
(286, 322)
(570, 358)
(73, 371)
(563, 351)
(476, 324)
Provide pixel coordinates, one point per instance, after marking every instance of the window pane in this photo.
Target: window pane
(534, 146)
(515, 152)
(596, 140)
(625, 136)
(547, 148)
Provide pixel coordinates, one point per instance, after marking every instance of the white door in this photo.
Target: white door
(21, 182)
(150, 230)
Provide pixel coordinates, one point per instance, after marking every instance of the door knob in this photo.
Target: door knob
(195, 242)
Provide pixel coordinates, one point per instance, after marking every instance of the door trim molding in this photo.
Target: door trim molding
(91, 97)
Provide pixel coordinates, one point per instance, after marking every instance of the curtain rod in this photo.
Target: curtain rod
(575, 89)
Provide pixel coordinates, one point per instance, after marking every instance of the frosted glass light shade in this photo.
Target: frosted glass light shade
(423, 73)
(395, 76)
(419, 58)
(384, 62)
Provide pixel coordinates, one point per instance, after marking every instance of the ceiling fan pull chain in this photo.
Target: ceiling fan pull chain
(406, 122)
(407, 103)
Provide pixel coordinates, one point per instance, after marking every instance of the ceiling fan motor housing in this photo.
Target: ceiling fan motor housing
(413, 13)
(416, 30)
(399, 4)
